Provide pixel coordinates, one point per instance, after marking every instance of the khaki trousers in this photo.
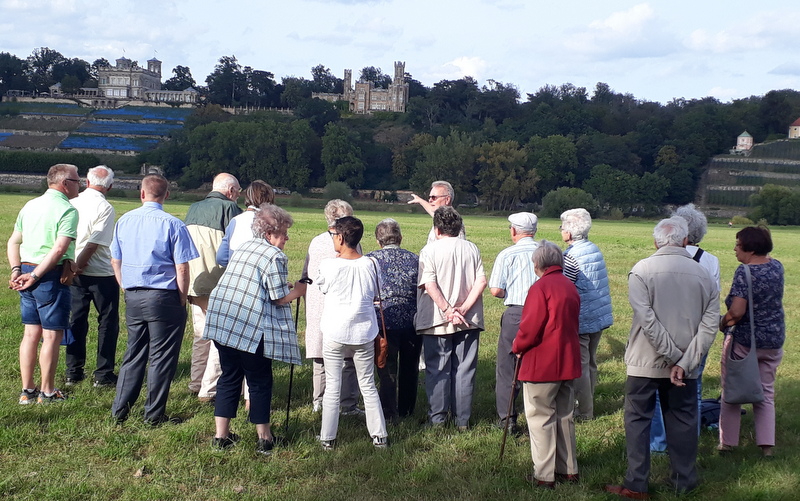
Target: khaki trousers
(548, 410)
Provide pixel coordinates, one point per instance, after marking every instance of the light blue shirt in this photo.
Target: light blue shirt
(150, 242)
(513, 271)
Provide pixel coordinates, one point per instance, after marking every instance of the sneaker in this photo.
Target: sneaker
(353, 411)
(380, 442)
(56, 396)
(28, 396)
(73, 380)
(327, 445)
(264, 446)
(224, 443)
(109, 381)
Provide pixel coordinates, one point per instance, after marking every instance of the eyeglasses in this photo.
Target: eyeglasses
(332, 233)
(73, 180)
(432, 198)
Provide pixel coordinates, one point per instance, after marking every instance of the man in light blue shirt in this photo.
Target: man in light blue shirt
(512, 276)
(150, 255)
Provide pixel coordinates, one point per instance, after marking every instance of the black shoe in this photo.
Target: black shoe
(264, 446)
(224, 443)
(73, 380)
(109, 381)
(163, 419)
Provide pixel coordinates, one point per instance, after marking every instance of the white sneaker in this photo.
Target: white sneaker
(380, 442)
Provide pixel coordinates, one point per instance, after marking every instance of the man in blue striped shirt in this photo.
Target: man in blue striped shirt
(512, 276)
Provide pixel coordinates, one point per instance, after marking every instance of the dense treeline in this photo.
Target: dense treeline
(493, 145)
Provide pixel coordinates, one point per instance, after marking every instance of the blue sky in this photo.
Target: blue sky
(654, 50)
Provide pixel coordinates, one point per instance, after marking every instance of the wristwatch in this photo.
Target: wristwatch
(35, 276)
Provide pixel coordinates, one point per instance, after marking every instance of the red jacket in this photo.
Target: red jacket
(548, 332)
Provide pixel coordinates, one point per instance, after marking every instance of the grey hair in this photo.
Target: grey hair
(223, 182)
(270, 220)
(335, 209)
(577, 222)
(388, 232)
(671, 232)
(546, 255)
(60, 172)
(449, 187)
(698, 224)
(101, 176)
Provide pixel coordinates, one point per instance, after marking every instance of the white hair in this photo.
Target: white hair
(224, 182)
(449, 187)
(101, 176)
(577, 222)
(672, 231)
(698, 224)
(335, 209)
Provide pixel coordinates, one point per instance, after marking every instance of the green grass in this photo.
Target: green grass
(74, 451)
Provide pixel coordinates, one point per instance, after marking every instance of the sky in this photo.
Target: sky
(655, 50)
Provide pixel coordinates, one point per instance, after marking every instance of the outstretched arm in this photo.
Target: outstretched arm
(430, 209)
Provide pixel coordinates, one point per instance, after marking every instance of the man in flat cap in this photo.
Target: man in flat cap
(512, 276)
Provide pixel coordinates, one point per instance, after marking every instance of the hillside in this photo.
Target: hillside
(72, 128)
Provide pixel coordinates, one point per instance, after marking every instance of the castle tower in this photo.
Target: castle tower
(154, 65)
(399, 72)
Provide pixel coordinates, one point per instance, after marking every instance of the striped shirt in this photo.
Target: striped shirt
(513, 271)
(241, 310)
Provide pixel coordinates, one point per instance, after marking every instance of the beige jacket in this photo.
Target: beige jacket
(675, 314)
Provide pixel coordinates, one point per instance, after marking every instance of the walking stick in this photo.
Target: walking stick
(291, 374)
(510, 404)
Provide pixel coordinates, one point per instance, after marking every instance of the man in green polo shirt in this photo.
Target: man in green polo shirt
(43, 239)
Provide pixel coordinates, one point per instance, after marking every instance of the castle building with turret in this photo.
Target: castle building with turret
(365, 98)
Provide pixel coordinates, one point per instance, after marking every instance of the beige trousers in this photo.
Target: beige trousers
(548, 410)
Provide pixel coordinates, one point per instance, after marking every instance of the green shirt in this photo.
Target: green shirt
(41, 221)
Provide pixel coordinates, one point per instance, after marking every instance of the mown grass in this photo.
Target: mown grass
(74, 451)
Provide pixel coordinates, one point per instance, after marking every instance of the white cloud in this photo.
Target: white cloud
(768, 30)
(460, 67)
(789, 68)
(635, 33)
(724, 94)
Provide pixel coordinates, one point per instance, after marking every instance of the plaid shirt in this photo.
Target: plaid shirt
(241, 309)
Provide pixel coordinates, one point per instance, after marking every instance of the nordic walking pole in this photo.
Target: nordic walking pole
(510, 404)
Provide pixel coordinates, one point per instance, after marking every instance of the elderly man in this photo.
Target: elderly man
(675, 315)
(441, 195)
(150, 254)
(95, 282)
(38, 251)
(450, 318)
(206, 221)
(512, 276)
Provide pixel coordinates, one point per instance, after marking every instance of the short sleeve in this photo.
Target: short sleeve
(276, 276)
(739, 285)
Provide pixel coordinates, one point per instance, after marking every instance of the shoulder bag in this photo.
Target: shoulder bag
(381, 343)
(742, 381)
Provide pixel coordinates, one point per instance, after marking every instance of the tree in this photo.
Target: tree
(302, 150)
(502, 179)
(451, 158)
(95, 67)
(295, 89)
(376, 76)
(415, 87)
(75, 67)
(12, 73)
(70, 84)
(776, 204)
(557, 201)
(324, 81)
(318, 112)
(181, 80)
(612, 186)
(40, 67)
(341, 157)
(555, 160)
(227, 84)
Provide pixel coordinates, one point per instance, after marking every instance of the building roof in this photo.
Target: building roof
(795, 123)
(745, 134)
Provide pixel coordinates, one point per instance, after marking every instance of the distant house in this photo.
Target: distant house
(794, 130)
(127, 80)
(366, 98)
(744, 142)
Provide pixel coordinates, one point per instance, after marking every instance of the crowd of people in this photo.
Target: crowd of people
(67, 252)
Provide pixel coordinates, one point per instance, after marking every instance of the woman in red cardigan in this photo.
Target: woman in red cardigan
(548, 343)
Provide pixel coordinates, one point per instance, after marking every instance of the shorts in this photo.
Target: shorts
(47, 303)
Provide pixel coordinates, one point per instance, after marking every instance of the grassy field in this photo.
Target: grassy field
(74, 450)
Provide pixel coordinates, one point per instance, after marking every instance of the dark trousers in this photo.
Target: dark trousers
(156, 322)
(103, 292)
(504, 369)
(236, 365)
(400, 377)
(679, 407)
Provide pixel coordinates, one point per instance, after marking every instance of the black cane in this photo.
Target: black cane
(291, 374)
(510, 404)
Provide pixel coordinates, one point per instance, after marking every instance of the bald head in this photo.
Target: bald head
(226, 184)
(155, 188)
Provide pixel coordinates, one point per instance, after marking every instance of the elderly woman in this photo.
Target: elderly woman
(250, 321)
(698, 227)
(752, 249)
(239, 230)
(548, 344)
(592, 284)
(321, 247)
(399, 269)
